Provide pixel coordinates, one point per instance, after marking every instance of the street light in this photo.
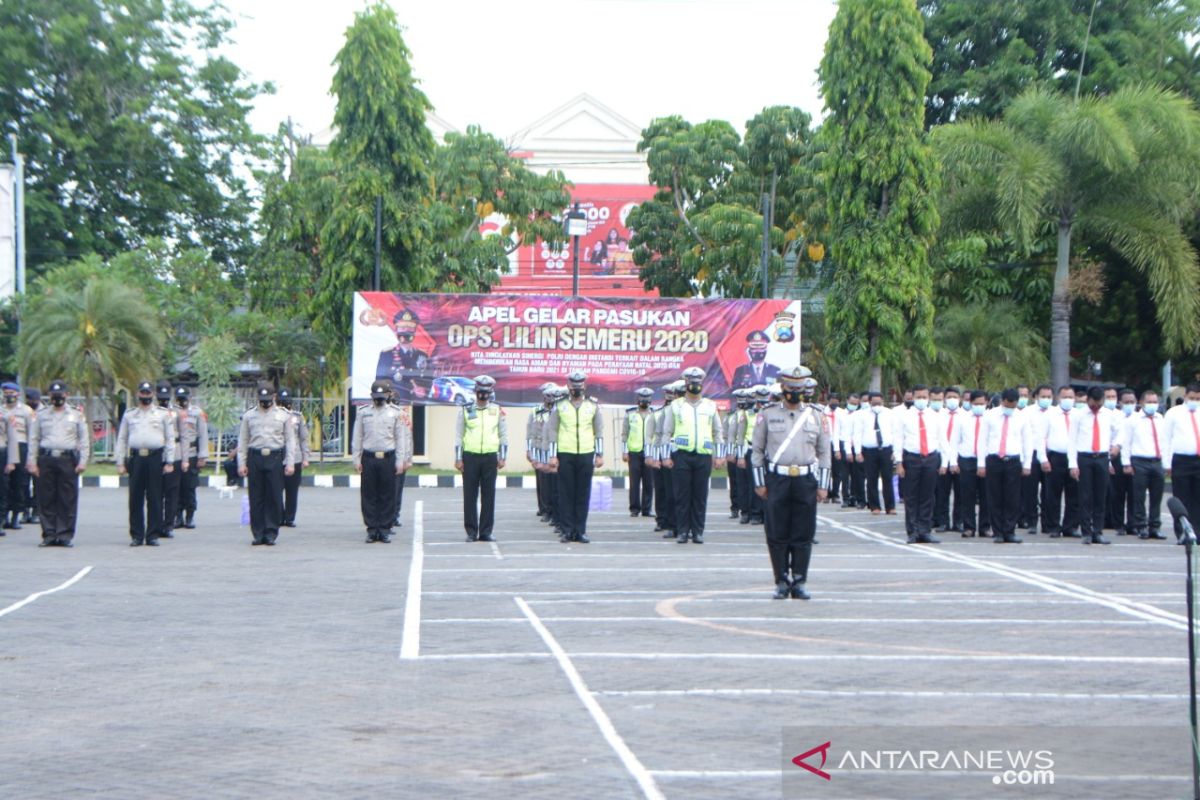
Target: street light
(576, 226)
(321, 410)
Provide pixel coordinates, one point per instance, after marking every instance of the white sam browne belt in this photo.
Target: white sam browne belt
(791, 470)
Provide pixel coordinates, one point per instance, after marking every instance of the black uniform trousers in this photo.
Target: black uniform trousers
(188, 482)
(550, 482)
(856, 495)
(399, 496)
(170, 494)
(841, 480)
(945, 513)
(972, 496)
(1030, 489)
(575, 491)
(877, 467)
(19, 494)
(145, 495)
(735, 491)
(4, 494)
(920, 486)
(670, 512)
(1056, 483)
(1093, 492)
(58, 496)
(692, 473)
(377, 492)
(1185, 484)
(641, 485)
(291, 493)
(792, 514)
(1147, 477)
(479, 486)
(1118, 516)
(539, 478)
(1003, 493)
(265, 489)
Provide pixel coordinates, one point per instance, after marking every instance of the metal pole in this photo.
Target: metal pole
(19, 207)
(378, 240)
(1190, 541)
(1166, 386)
(766, 243)
(575, 267)
(321, 412)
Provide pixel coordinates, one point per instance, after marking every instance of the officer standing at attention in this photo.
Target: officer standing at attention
(382, 448)
(291, 483)
(480, 450)
(9, 445)
(633, 442)
(735, 462)
(33, 399)
(533, 447)
(791, 467)
(146, 451)
(393, 400)
(664, 494)
(171, 480)
(58, 453)
(19, 418)
(193, 441)
(576, 445)
(266, 452)
(693, 427)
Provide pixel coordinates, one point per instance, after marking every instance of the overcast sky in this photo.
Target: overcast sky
(504, 64)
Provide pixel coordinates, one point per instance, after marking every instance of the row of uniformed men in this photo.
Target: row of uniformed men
(17, 499)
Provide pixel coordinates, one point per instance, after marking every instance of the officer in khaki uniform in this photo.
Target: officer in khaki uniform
(791, 466)
(382, 448)
(291, 483)
(633, 444)
(59, 445)
(534, 433)
(19, 418)
(734, 450)
(575, 439)
(193, 441)
(266, 452)
(171, 480)
(692, 428)
(9, 445)
(146, 451)
(480, 450)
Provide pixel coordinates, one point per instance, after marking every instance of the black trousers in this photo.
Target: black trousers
(972, 496)
(377, 492)
(1003, 493)
(19, 494)
(856, 493)
(1185, 484)
(877, 467)
(944, 513)
(551, 479)
(692, 472)
(1147, 477)
(792, 511)
(145, 496)
(641, 485)
(839, 488)
(735, 491)
(231, 472)
(265, 479)
(751, 503)
(399, 502)
(1118, 515)
(291, 493)
(575, 490)
(1093, 492)
(188, 482)
(539, 478)
(58, 496)
(1030, 487)
(670, 513)
(479, 493)
(1057, 518)
(920, 486)
(4, 492)
(170, 495)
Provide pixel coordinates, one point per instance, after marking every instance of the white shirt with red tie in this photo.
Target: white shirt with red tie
(1054, 433)
(1182, 431)
(967, 441)
(1006, 436)
(1092, 432)
(1142, 437)
(920, 432)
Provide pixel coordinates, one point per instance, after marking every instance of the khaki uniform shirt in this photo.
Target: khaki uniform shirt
(193, 432)
(300, 430)
(20, 418)
(145, 428)
(64, 428)
(267, 429)
(808, 448)
(380, 429)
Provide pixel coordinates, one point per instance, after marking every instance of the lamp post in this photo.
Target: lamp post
(321, 410)
(576, 226)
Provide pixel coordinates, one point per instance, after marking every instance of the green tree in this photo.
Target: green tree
(214, 360)
(879, 181)
(1123, 170)
(133, 126)
(978, 346)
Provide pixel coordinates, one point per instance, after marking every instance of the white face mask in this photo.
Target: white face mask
(1111, 405)
(920, 404)
(1151, 409)
(1129, 408)
(936, 405)
(978, 410)
(952, 404)
(1066, 404)
(877, 409)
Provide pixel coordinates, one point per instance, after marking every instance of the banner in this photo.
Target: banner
(433, 346)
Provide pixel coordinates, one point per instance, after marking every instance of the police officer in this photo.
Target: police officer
(266, 452)
(480, 450)
(19, 417)
(664, 490)
(733, 423)
(753, 512)
(382, 448)
(58, 453)
(576, 444)
(9, 445)
(534, 432)
(171, 480)
(693, 427)
(791, 458)
(146, 451)
(633, 444)
(393, 400)
(193, 441)
(291, 483)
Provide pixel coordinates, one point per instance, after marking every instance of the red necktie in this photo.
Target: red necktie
(1196, 431)
(977, 420)
(950, 427)
(1095, 432)
(1004, 437)
(924, 440)
(1154, 432)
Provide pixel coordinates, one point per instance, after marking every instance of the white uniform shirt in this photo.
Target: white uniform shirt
(1142, 437)
(908, 433)
(1018, 437)
(1086, 427)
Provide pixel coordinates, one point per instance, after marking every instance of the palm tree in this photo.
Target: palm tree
(982, 346)
(96, 337)
(1123, 170)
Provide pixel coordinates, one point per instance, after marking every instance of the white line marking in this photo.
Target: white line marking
(1032, 658)
(631, 761)
(1124, 606)
(64, 585)
(496, 551)
(767, 773)
(882, 693)
(716, 773)
(410, 642)
(676, 570)
(804, 620)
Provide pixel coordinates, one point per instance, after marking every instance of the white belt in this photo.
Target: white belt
(790, 471)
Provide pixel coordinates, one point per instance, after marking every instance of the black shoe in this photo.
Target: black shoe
(583, 539)
(189, 521)
(912, 539)
(681, 538)
(290, 523)
(781, 591)
(670, 534)
(735, 515)
(34, 519)
(985, 531)
(486, 538)
(967, 534)
(943, 528)
(385, 538)
(1072, 534)
(23, 518)
(635, 513)
(1012, 539)
(152, 543)
(178, 521)
(697, 538)
(1143, 535)
(52, 543)
(257, 542)
(370, 537)
(647, 514)
(928, 538)
(136, 543)
(1056, 535)
(563, 538)
(269, 542)
(167, 534)
(1157, 535)
(658, 527)
(65, 544)
(799, 592)
(1098, 539)
(745, 519)
(472, 537)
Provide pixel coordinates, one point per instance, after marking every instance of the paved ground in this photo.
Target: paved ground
(629, 667)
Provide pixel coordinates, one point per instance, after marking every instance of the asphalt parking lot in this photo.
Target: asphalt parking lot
(630, 667)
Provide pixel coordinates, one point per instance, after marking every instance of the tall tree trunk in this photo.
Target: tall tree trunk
(1060, 309)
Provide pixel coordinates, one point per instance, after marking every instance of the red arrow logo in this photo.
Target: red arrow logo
(823, 749)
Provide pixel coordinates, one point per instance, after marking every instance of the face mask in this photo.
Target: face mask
(1043, 403)
(978, 410)
(58, 399)
(265, 403)
(164, 402)
(145, 400)
(935, 405)
(1192, 405)
(758, 355)
(952, 404)
(482, 396)
(9, 399)
(920, 404)
(1008, 412)
(1022, 402)
(908, 403)
(183, 402)
(1111, 405)
(877, 408)
(376, 400)
(852, 406)
(792, 397)
(646, 404)
(1129, 408)
(833, 404)
(694, 388)
(577, 392)
(1151, 409)
(1066, 405)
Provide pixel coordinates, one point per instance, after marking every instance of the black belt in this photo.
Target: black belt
(1091, 455)
(381, 454)
(1004, 458)
(145, 452)
(1152, 459)
(918, 455)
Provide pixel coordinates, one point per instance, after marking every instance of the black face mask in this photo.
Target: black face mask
(58, 399)
(164, 402)
(758, 355)
(577, 392)
(695, 388)
(9, 399)
(833, 404)
(792, 397)
(377, 400)
(643, 403)
(265, 403)
(908, 403)
(182, 402)
(145, 400)
(482, 396)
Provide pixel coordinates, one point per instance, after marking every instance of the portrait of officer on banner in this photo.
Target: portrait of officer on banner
(758, 371)
(404, 365)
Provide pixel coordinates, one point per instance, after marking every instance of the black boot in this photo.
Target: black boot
(188, 520)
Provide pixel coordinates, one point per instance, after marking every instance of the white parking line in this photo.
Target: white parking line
(410, 641)
(1027, 658)
(631, 761)
(806, 620)
(64, 585)
(885, 693)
